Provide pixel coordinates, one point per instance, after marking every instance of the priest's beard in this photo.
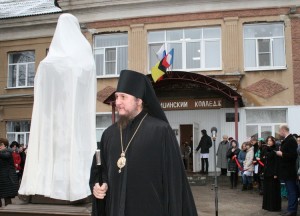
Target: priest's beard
(125, 119)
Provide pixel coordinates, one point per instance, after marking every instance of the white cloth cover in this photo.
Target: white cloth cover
(63, 130)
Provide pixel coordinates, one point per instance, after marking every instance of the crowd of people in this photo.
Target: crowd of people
(270, 165)
(12, 162)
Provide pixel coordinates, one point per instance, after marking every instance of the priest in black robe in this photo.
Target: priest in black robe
(142, 173)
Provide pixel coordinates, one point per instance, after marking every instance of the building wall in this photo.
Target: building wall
(231, 23)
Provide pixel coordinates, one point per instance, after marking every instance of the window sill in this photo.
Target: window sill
(108, 77)
(23, 87)
(264, 69)
(194, 70)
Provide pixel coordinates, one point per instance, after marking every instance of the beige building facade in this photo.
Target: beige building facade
(252, 47)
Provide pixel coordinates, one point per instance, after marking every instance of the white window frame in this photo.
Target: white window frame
(183, 42)
(104, 53)
(102, 128)
(271, 39)
(260, 125)
(17, 72)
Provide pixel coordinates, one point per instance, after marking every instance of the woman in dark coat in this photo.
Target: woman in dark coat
(8, 178)
(271, 195)
(233, 153)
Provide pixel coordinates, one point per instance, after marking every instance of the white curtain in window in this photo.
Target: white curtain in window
(103, 121)
(99, 61)
(22, 75)
(153, 49)
(252, 130)
(193, 55)
(278, 52)
(174, 35)
(18, 126)
(193, 33)
(265, 116)
(212, 54)
(122, 58)
(31, 74)
(250, 53)
(156, 36)
(99, 132)
(177, 58)
(111, 40)
(110, 61)
(211, 33)
(12, 75)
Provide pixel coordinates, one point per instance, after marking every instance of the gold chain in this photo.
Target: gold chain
(132, 135)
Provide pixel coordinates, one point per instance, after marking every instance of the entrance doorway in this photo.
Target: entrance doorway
(189, 136)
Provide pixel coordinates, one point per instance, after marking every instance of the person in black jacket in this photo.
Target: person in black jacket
(233, 153)
(204, 144)
(271, 183)
(8, 177)
(287, 168)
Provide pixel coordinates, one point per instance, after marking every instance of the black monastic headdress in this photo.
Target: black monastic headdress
(138, 85)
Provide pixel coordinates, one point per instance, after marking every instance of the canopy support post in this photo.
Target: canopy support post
(236, 118)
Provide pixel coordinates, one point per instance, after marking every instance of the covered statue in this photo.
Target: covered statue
(63, 134)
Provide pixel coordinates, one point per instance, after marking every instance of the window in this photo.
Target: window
(195, 49)
(18, 131)
(264, 46)
(21, 69)
(230, 117)
(103, 121)
(111, 54)
(265, 122)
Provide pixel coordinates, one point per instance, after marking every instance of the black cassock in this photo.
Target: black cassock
(153, 182)
(272, 188)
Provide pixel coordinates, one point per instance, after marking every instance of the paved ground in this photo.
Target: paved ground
(232, 202)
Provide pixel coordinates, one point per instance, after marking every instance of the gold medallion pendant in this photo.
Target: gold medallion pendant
(121, 162)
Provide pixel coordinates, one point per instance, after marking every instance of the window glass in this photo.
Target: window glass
(252, 131)
(211, 33)
(111, 40)
(177, 59)
(193, 55)
(21, 69)
(212, 54)
(278, 52)
(153, 49)
(194, 33)
(194, 48)
(21, 57)
(266, 131)
(264, 46)
(250, 53)
(174, 35)
(156, 36)
(103, 121)
(18, 131)
(266, 116)
(30, 77)
(111, 53)
(122, 59)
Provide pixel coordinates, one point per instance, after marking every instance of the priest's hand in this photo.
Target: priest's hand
(100, 191)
